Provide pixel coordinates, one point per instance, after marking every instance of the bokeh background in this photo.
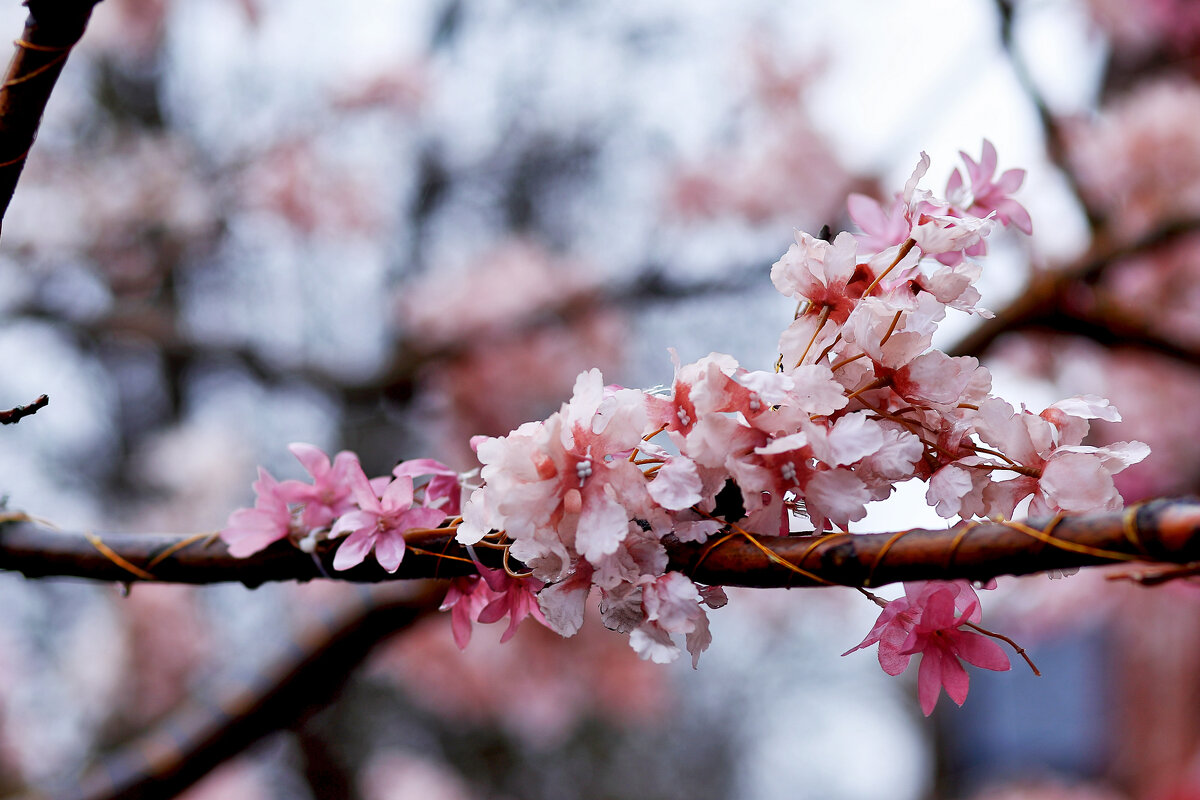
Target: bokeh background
(391, 226)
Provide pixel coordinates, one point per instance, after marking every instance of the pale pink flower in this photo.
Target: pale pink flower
(984, 194)
(564, 487)
(936, 378)
(672, 605)
(379, 522)
(329, 495)
(1074, 478)
(824, 274)
(880, 229)
(563, 603)
(252, 529)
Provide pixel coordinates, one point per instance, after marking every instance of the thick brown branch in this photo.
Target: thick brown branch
(1162, 530)
(51, 30)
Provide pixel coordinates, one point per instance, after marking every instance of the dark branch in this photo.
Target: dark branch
(51, 30)
(14, 415)
(1163, 531)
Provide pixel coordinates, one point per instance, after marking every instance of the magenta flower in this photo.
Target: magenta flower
(466, 597)
(489, 597)
(515, 598)
(924, 621)
(379, 522)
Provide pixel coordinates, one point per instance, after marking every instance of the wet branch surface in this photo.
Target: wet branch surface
(1166, 531)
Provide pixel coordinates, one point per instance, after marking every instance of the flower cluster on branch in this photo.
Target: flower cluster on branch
(859, 401)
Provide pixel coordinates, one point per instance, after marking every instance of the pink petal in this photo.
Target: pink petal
(389, 550)
(495, 610)
(929, 680)
(354, 521)
(352, 551)
(955, 679)
(250, 530)
(603, 525)
(987, 164)
(312, 458)
(1010, 181)
(421, 466)
(420, 517)
(981, 651)
(866, 213)
(563, 603)
(398, 494)
(677, 484)
(361, 489)
(460, 626)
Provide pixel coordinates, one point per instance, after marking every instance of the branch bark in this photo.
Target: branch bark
(52, 29)
(1166, 531)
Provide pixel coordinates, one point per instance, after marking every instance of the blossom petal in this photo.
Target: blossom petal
(352, 551)
(389, 550)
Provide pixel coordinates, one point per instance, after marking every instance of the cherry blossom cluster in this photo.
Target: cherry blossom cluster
(858, 402)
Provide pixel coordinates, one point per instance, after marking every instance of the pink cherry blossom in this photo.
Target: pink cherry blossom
(379, 522)
(924, 621)
(329, 495)
(466, 597)
(880, 229)
(512, 597)
(252, 529)
(984, 195)
(567, 480)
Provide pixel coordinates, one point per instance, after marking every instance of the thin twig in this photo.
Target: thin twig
(15, 415)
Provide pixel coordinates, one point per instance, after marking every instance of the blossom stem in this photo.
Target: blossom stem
(1020, 650)
(845, 361)
(876, 599)
(891, 328)
(904, 250)
(878, 383)
(821, 320)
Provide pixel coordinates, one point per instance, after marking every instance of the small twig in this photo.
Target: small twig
(14, 415)
(1020, 650)
(1158, 576)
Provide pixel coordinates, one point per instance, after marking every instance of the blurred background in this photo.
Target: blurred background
(391, 226)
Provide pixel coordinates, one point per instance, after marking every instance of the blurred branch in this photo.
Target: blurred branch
(1162, 530)
(203, 734)
(1052, 301)
(1055, 140)
(410, 354)
(14, 415)
(52, 29)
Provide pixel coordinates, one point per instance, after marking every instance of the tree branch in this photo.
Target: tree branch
(14, 415)
(1159, 531)
(52, 29)
(1052, 294)
(204, 734)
